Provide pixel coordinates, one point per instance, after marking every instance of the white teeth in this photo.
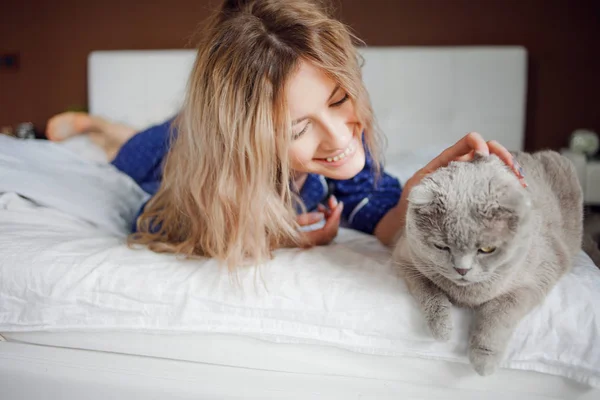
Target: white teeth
(341, 156)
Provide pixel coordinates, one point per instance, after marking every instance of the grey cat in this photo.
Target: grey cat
(476, 238)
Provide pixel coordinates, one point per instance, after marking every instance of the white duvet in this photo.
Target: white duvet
(63, 270)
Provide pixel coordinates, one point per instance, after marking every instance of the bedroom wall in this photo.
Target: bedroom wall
(562, 37)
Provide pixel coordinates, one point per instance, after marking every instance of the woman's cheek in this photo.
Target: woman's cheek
(299, 157)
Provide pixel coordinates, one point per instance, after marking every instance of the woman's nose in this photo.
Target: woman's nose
(336, 134)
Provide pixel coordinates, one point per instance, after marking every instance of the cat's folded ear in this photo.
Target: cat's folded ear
(513, 202)
(423, 196)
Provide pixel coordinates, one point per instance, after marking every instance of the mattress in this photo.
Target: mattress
(249, 354)
(64, 273)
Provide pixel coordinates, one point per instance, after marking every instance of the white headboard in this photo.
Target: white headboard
(422, 96)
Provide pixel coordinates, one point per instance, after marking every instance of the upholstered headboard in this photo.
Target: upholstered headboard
(422, 96)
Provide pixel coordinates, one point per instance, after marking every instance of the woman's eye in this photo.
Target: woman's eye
(340, 102)
(486, 250)
(440, 247)
(299, 134)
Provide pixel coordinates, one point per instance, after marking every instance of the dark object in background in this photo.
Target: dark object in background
(10, 61)
(591, 233)
(26, 130)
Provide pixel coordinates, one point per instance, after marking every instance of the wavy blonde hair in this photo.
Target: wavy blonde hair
(226, 188)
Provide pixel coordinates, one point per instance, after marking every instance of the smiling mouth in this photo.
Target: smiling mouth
(347, 152)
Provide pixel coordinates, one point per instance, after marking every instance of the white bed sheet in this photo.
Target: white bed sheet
(41, 372)
(61, 273)
(452, 379)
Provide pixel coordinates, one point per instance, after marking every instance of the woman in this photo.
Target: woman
(275, 122)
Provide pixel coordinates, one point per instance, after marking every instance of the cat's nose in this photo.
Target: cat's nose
(462, 271)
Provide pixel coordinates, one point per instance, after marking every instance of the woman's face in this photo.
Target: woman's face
(327, 137)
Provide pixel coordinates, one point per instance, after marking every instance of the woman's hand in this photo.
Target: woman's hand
(464, 150)
(327, 233)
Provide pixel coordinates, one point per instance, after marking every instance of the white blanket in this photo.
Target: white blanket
(57, 177)
(59, 271)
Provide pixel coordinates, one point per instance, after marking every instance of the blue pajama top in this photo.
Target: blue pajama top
(366, 200)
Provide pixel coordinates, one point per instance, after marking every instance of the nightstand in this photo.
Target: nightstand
(592, 184)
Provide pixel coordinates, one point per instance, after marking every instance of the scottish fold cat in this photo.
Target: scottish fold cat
(476, 238)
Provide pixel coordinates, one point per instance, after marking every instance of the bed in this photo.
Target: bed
(83, 316)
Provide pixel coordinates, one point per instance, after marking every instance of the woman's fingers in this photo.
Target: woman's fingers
(467, 157)
(505, 155)
(499, 150)
(321, 208)
(309, 218)
(336, 214)
(470, 142)
(332, 202)
(333, 222)
(465, 150)
(326, 234)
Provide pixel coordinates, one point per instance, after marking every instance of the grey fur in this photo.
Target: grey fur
(537, 231)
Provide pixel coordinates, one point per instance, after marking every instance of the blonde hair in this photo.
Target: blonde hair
(226, 188)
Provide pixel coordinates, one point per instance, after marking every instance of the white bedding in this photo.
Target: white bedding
(60, 273)
(429, 378)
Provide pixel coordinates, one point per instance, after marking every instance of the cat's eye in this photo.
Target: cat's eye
(487, 250)
(440, 247)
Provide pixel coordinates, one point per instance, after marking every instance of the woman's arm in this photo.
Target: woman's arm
(392, 223)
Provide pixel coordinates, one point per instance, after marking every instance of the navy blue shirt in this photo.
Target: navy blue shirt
(366, 198)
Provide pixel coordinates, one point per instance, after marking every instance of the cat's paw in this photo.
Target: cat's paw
(441, 328)
(439, 320)
(485, 360)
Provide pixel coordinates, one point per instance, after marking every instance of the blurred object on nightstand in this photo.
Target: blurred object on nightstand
(582, 151)
(588, 172)
(25, 130)
(584, 141)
